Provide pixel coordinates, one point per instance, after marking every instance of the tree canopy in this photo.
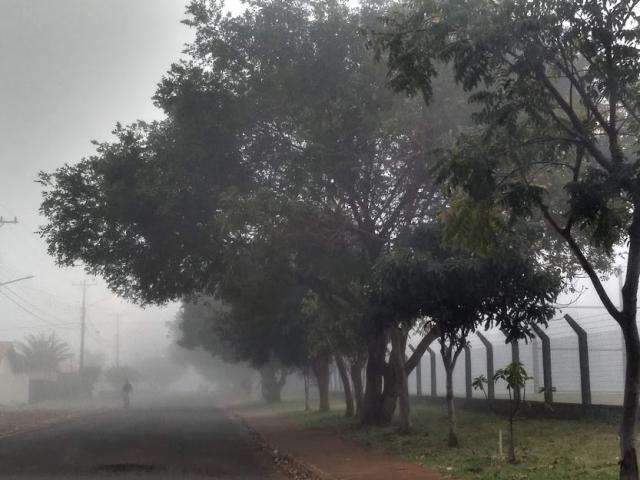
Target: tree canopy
(284, 169)
(556, 89)
(461, 291)
(300, 209)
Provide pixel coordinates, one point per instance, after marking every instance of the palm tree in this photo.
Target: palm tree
(44, 353)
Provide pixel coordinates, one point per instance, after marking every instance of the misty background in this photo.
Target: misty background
(70, 70)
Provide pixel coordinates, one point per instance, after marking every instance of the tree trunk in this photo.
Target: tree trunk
(271, 384)
(346, 384)
(512, 441)
(627, 320)
(376, 365)
(356, 379)
(451, 410)
(381, 397)
(398, 358)
(395, 379)
(321, 371)
(629, 461)
(306, 389)
(389, 393)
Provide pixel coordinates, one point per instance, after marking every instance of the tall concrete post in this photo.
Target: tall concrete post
(489, 348)
(546, 364)
(432, 371)
(418, 370)
(583, 353)
(467, 372)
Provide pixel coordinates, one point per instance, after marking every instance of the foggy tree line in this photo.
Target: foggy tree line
(328, 179)
(46, 353)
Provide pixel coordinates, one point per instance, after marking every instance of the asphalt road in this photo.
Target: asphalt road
(162, 441)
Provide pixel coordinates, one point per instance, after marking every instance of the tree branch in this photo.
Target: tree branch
(584, 263)
(575, 121)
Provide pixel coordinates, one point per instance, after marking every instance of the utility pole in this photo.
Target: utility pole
(118, 340)
(83, 320)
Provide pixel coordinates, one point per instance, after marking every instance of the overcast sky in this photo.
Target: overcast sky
(69, 70)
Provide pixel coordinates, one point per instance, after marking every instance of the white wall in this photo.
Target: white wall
(14, 388)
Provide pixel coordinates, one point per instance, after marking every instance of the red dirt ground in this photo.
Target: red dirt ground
(329, 455)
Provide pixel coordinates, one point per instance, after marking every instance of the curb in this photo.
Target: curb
(285, 461)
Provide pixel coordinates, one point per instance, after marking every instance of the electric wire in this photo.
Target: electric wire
(26, 310)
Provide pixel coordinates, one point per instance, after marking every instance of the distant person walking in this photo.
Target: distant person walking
(127, 389)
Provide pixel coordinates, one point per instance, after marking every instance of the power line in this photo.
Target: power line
(57, 298)
(26, 310)
(16, 280)
(34, 306)
(34, 327)
(5, 293)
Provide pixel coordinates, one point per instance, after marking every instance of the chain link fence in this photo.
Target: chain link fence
(583, 362)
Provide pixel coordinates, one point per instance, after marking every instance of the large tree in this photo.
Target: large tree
(281, 102)
(556, 83)
(456, 292)
(355, 156)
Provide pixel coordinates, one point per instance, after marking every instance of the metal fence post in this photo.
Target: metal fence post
(489, 348)
(418, 373)
(546, 364)
(432, 357)
(583, 352)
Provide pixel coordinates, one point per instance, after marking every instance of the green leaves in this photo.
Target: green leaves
(472, 225)
(514, 375)
(461, 291)
(597, 207)
(479, 383)
(555, 86)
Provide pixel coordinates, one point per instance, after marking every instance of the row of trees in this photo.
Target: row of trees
(304, 210)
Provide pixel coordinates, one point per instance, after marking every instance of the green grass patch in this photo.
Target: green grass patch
(547, 449)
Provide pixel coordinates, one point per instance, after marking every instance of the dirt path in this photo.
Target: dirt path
(330, 456)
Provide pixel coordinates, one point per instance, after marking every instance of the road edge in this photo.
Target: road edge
(290, 464)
